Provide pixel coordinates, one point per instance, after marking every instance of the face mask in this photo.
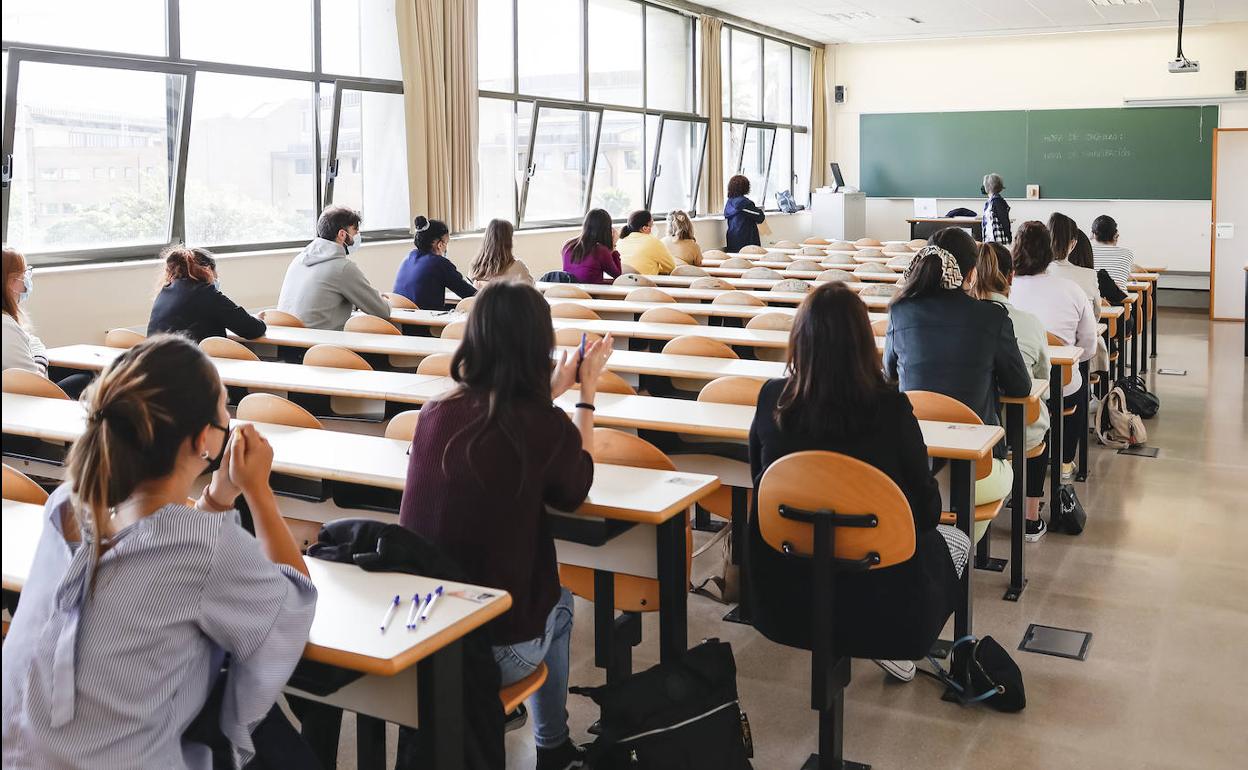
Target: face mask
(982, 191)
(28, 288)
(216, 284)
(215, 462)
(347, 243)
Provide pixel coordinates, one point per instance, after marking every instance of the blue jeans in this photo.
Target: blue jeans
(549, 705)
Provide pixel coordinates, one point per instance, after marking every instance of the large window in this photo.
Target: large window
(149, 122)
(766, 100)
(572, 95)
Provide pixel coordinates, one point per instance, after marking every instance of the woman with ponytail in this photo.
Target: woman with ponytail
(137, 594)
(426, 274)
(190, 300)
(640, 249)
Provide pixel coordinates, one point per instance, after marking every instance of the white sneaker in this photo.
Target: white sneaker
(902, 670)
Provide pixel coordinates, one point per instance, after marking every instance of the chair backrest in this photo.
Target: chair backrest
(815, 242)
(370, 324)
(266, 407)
(714, 254)
(223, 347)
(570, 338)
(792, 286)
(879, 328)
(688, 270)
(917, 243)
(835, 275)
(879, 290)
(897, 246)
(873, 267)
(929, 405)
(779, 322)
(437, 365)
(281, 318)
(805, 264)
(632, 279)
(30, 384)
(627, 269)
(610, 382)
(830, 481)
(901, 260)
(690, 345)
(21, 488)
(402, 426)
(454, 331)
(573, 310)
(122, 338)
(869, 251)
(398, 301)
(649, 294)
(738, 262)
(752, 250)
(813, 251)
(838, 260)
(733, 389)
(870, 242)
(566, 292)
(336, 357)
(666, 315)
(773, 255)
(466, 304)
(710, 282)
(557, 276)
(761, 274)
(615, 447)
(787, 244)
(841, 246)
(738, 298)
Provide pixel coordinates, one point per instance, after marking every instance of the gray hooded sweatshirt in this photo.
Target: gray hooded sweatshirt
(322, 287)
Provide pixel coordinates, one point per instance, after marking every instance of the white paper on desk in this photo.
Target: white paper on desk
(924, 208)
(478, 597)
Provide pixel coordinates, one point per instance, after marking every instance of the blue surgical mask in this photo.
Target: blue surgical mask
(216, 284)
(28, 287)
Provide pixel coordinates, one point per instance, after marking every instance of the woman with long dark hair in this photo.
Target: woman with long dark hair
(486, 461)
(835, 398)
(591, 257)
(190, 300)
(1063, 238)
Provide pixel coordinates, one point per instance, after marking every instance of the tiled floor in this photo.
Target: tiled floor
(1159, 577)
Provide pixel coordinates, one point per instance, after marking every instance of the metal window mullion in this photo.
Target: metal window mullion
(317, 60)
(318, 155)
(585, 50)
(697, 170)
(331, 157)
(645, 64)
(654, 166)
(173, 29)
(771, 151)
(177, 214)
(593, 162)
(7, 143)
(530, 165)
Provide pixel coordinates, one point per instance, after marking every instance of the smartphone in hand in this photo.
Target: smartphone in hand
(580, 356)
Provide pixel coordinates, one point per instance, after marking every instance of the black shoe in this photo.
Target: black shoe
(516, 719)
(565, 756)
(1035, 530)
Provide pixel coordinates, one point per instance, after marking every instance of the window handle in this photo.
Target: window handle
(332, 171)
(658, 171)
(6, 172)
(531, 170)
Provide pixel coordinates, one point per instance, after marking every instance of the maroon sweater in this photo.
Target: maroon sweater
(487, 508)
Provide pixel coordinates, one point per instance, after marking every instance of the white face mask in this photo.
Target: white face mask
(28, 287)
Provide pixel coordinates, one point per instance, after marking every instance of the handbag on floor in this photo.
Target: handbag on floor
(993, 677)
(728, 575)
(1069, 518)
(679, 715)
(1116, 425)
(1139, 400)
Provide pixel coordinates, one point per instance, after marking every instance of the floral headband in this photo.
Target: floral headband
(951, 274)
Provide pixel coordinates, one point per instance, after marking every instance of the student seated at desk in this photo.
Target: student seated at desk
(640, 249)
(1084, 256)
(136, 595)
(322, 286)
(742, 215)
(1064, 235)
(21, 349)
(994, 272)
(1107, 255)
(836, 399)
(486, 460)
(591, 257)
(1056, 301)
(679, 240)
(942, 339)
(190, 301)
(426, 274)
(495, 262)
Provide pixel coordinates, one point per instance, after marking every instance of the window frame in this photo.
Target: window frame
(698, 164)
(531, 170)
(326, 194)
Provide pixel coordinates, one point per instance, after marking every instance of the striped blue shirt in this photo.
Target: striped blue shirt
(111, 676)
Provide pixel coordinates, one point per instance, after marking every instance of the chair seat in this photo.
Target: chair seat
(1036, 451)
(985, 512)
(517, 692)
(1068, 411)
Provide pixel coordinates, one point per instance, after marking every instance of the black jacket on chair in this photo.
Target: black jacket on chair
(896, 612)
(199, 310)
(951, 343)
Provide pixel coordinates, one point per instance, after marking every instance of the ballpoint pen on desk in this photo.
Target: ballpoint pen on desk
(385, 620)
(424, 615)
(416, 620)
(411, 614)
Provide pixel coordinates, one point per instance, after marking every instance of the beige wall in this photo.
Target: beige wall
(1095, 69)
(79, 304)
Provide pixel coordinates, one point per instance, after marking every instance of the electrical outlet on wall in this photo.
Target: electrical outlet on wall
(1033, 192)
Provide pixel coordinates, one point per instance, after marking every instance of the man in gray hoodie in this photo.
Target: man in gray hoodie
(322, 287)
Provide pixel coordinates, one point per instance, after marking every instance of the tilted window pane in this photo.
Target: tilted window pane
(781, 175)
(746, 96)
(621, 173)
(250, 140)
(801, 168)
(614, 52)
(758, 144)
(557, 192)
(801, 86)
(360, 38)
(681, 149)
(669, 61)
(496, 158)
(372, 159)
(733, 133)
(126, 26)
(777, 78)
(495, 45)
(272, 33)
(550, 50)
(73, 120)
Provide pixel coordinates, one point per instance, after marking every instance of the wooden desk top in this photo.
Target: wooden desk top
(1039, 389)
(1112, 311)
(958, 220)
(23, 524)
(1065, 355)
(699, 295)
(707, 309)
(1149, 277)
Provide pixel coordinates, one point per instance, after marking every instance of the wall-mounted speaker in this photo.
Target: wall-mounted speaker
(838, 94)
(1241, 80)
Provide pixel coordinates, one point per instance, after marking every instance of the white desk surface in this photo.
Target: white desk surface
(23, 524)
(698, 295)
(691, 308)
(1062, 355)
(618, 492)
(1039, 389)
(1150, 277)
(1112, 311)
(734, 274)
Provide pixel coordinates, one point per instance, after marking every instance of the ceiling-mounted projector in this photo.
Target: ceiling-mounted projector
(1184, 65)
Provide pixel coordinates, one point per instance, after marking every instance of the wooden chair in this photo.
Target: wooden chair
(571, 338)
(22, 488)
(666, 315)
(844, 276)
(398, 301)
(815, 242)
(844, 516)
(122, 338)
(896, 246)
(791, 286)
(370, 324)
(787, 245)
(776, 322)
(280, 318)
(880, 290)
(733, 389)
(752, 250)
(632, 279)
(30, 384)
(573, 310)
(839, 260)
(714, 254)
(813, 251)
(774, 255)
(868, 242)
(937, 406)
(879, 328)
(335, 357)
(649, 294)
(466, 304)
(901, 262)
(841, 246)
(454, 331)
(438, 365)
(917, 243)
(223, 347)
(518, 692)
(566, 291)
(402, 426)
(762, 274)
(713, 456)
(712, 283)
(805, 264)
(268, 408)
(867, 251)
(689, 270)
(1068, 372)
(610, 382)
(692, 345)
(738, 298)
(740, 263)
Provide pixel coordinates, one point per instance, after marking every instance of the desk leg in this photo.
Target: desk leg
(440, 690)
(1135, 341)
(370, 743)
(742, 613)
(1152, 326)
(1122, 349)
(1146, 302)
(614, 637)
(1082, 473)
(1055, 438)
(1016, 432)
(673, 589)
(962, 497)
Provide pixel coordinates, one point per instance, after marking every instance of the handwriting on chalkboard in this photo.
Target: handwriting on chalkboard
(1080, 149)
(1058, 137)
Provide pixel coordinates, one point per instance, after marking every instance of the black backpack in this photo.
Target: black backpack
(1139, 400)
(992, 676)
(679, 715)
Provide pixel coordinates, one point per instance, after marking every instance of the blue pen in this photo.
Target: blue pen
(411, 614)
(429, 604)
(428, 601)
(385, 620)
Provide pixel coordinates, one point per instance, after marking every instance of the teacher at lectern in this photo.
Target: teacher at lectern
(996, 210)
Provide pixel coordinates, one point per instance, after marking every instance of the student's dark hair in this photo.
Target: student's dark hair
(505, 356)
(335, 218)
(834, 381)
(429, 232)
(1062, 231)
(738, 185)
(636, 220)
(596, 231)
(142, 407)
(1082, 255)
(992, 271)
(960, 244)
(1104, 228)
(927, 275)
(1033, 249)
(194, 264)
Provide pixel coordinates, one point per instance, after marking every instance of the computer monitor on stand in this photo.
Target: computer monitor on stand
(836, 176)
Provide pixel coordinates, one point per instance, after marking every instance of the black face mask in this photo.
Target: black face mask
(982, 191)
(215, 462)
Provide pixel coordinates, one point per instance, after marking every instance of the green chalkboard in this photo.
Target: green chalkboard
(1147, 153)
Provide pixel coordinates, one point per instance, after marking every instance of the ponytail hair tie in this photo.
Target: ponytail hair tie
(419, 227)
(950, 273)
